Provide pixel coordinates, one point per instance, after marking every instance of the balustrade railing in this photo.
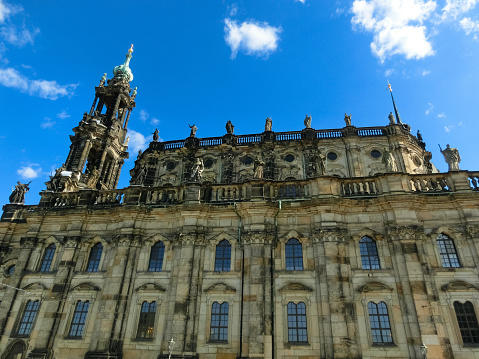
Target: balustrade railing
(370, 132)
(290, 191)
(429, 183)
(65, 200)
(287, 136)
(211, 141)
(359, 187)
(246, 139)
(164, 196)
(172, 145)
(474, 180)
(223, 193)
(328, 133)
(108, 198)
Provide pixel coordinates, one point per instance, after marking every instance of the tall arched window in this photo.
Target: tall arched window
(467, 320)
(79, 319)
(94, 259)
(294, 255)
(219, 322)
(28, 318)
(146, 324)
(297, 327)
(223, 256)
(156, 257)
(447, 251)
(380, 325)
(47, 258)
(369, 253)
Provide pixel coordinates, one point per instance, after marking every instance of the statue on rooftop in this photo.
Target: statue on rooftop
(103, 80)
(193, 130)
(347, 119)
(307, 121)
(156, 135)
(389, 161)
(452, 157)
(18, 193)
(268, 126)
(230, 128)
(133, 94)
(392, 120)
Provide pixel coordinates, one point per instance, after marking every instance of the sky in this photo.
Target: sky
(207, 62)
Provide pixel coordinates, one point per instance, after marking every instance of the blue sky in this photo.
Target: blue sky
(207, 62)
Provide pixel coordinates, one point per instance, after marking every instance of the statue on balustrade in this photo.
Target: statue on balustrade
(392, 120)
(268, 126)
(133, 94)
(93, 178)
(307, 121)
(347, 119)
(258, 169)
(156, 135)
(103, 80)
(54, 183)
(452, 157)
(389, 161)
(18, 193)
(193, 130)
(230, 128)
(197, 170)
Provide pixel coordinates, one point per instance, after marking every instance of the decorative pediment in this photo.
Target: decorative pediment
(150, 287)
(221, 288)
(34, 286)
(86, 287)
(367, 232)
(295, 287)
(458, 285)
(156, 238)
(293, 234)
(221, 236)
(374, 287)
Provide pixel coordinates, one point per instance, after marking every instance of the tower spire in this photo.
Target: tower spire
(394, 105)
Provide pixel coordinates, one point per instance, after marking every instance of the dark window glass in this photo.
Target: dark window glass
(467, 320)
(170, 166)
(29, 314)
(156, 257)
(294, 255)
(11, 269)
(332, 156)
(223, 256)
(47, 258)
(209, 163)
(297, 328)
(375, 154)
(95, 256)
(248, 160)
(79, 319)
(448, 252)
(289, 158)
(380, 326)
(369, 253)
(219, 322)
(147, 320)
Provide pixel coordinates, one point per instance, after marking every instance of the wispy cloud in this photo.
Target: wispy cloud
(10, 77)
(137, 141)
(454, 8)
(470, 27)
(232, 9)
(397, 26)
(441, 115)
(29, 172)
(47, 123)
(425, 72)
(251, 37)
(62, 115)
(301, 1)
(18, 37)
(7, 9)
(429, 109)
(447, 129)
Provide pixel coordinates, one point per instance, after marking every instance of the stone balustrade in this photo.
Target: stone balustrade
(474, 180)
(359, 187)
(429, 183)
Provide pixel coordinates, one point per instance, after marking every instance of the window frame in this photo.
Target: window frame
(224, 268)
(382, 343)
(369, 256)
(47, 252)
(220, 328)
(454, 311)
(160, 246)
(21, 318)
(85, 317)
(297, 328)
(442, 237)
(293, 257)
(149, 315)
(90, 253)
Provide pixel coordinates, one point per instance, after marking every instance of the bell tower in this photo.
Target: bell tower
(98, 148)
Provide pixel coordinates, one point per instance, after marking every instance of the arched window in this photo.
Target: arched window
(219, 322)
(94, 259)
(223, 256)
(146, 324)
(79, 319)
(294, 255)
(369, 253)
(47, 258)
(380, 325)
(156, 257)
(28, 318)
(16, 351)
(448, 251)
(467, 320)
(297, 328)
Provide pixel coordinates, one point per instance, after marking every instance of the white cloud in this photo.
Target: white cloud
(47, 123)
(301, 1)
(441, 115)
(232, 9)
(28, 172)
(63, 115)
(397, 26)
(454, 8)
(137, 141)
(388, 72)
(144, 115)
(18, 37)
(9, 77)
(430, 108)
(6, 10)
(425, 72)
(154, 121)
(252, 37)
(470, 26)
(447, 129)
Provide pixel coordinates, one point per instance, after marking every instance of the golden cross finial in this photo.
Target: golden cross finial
(131, 49)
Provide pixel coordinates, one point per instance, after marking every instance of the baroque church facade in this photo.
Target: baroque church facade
(319, 243)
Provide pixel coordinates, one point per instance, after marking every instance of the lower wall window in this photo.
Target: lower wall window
(380, 325)
(79, 319)
(219, 322)
(297, 327)
(467, 320)
(28, 318)
(146, 325)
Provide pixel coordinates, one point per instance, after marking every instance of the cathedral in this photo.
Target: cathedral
(319, 243)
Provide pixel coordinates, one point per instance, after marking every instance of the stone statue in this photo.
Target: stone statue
(389, 161)
(392, 120)
(56, 178)
(320, 166)
(156, 137)
(307, 121)
(452, 157)
(230, 128)
(258, 169)
(197, 169)
(419, 136)
(193, 130)
(268, 126)
(18, 193)
(93, 177)
(347, 119)
(140, 175)
(103, 80)
(133, 94)
(127, 141)
(139, 154)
